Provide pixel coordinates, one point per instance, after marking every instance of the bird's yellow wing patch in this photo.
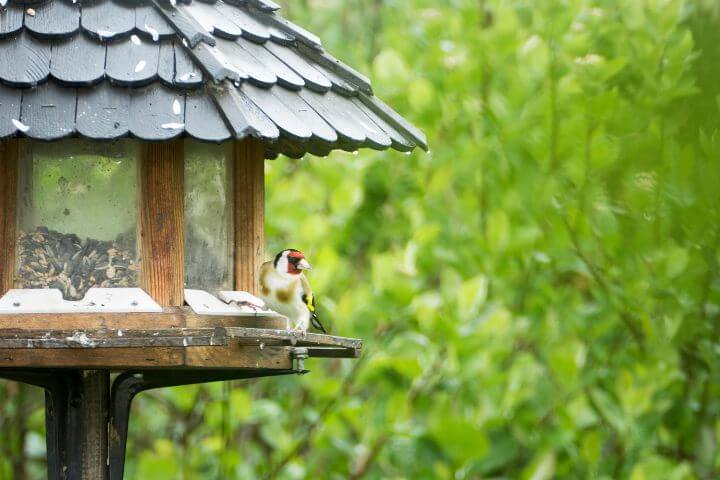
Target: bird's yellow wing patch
(309, 300)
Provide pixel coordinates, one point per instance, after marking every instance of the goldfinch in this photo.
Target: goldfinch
(285, 289)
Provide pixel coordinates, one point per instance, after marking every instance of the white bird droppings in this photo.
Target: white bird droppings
(3, 3)
(172, 126)
(79, 337)
(135, 39)
(177, 109)
(105, 34)
(20, 126)
(140, 66)
(186, 77)
(30, 11)
(155, 34)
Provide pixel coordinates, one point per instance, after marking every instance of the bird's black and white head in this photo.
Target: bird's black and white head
(291, 262)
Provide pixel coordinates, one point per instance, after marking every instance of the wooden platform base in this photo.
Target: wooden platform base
(178, 339)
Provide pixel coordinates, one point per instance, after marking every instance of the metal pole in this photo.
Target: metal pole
(94, 417)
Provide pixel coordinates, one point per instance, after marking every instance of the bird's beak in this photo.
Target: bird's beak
(304, 265)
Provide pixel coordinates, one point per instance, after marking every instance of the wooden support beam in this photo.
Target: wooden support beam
(249, 213)
(8, 203)
(233, 356)
(94, 418)
(162, 196)
(171, 317)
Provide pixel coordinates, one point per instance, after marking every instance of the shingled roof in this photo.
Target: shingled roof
(210, 70)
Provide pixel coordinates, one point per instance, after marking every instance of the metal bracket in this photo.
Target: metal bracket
(62, 417)
(301, 354)
(129, 384)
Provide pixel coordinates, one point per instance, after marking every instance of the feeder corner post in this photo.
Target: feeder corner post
(161, 209)
(249, 212)
(8, 202)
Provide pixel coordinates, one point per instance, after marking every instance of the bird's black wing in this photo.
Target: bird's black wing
(309, 299)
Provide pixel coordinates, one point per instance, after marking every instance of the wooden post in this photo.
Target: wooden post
(162, 211)
(8, 203)
(249, 207)
(94, 418)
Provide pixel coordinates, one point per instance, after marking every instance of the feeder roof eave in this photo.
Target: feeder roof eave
(211, 71)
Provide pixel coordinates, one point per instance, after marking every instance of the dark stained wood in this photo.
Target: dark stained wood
(78, 61)
(8, 200)
(49, 111)
(207, 16)
(300, 340)
(94, 415)
(285, 75)
(281, 115)
(376, 137)
(391, 116)
(333, 353)
(215, 64)
(339, 85)
(187, 74)
(10, 102)
(202, 119)
(265, 5)
(166, 62)
(11, 20)
(249, 208)
(251, 28)
(309, 117)
(150, 22)
(152, 113)
(184, 23)
(172, 317)
(227, 357)
(114, 358)
(243, 116)
(235, 356)
(312, 76)
(103, 112)
(336, 115)
(25, 61)
(161, 224)
(344, 71)
(277, 35)
(54, 19)
(241, 59)
(302, 35)
(108, 19)
(399, 142)
(162, 338)
(129, 64)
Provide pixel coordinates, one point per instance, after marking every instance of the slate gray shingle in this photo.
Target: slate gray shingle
(211, 70)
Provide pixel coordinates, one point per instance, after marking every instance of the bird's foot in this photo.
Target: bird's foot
(297, 330)
(252, 305)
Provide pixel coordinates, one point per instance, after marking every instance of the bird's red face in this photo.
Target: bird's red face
(296, 262)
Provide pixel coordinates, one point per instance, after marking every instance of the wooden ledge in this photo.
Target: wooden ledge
(192, 348)
(172, 317)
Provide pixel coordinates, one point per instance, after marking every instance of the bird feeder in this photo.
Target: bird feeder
(133, 137)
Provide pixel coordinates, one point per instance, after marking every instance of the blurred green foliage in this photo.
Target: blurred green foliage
(539, 296)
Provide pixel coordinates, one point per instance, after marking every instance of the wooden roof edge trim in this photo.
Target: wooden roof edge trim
(385, 112)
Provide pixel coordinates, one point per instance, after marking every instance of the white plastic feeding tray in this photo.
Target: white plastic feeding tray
(239, 304)
(97, 300)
